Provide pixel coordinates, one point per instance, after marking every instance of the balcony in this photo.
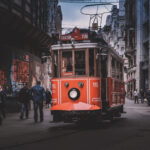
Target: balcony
(16, 27)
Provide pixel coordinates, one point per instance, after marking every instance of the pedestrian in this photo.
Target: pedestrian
(2, 102)
(136, 97)
(24, 98)
(148, 97)
(38, 95)
(142, 95)
(48, 97)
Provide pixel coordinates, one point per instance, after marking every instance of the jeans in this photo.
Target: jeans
(136, 99)
(148, 101)
(2, 110)
(24, 108)
(38, 105)
(142, 99)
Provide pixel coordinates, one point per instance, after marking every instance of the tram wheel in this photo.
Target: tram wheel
(56, 118)
(0, 120)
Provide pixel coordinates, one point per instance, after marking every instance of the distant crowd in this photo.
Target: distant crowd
(143, 96)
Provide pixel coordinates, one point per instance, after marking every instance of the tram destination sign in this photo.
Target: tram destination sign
(75, 34)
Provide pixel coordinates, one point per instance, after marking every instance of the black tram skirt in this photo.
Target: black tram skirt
(76, 114)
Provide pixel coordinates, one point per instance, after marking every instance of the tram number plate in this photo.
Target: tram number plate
(95, 84)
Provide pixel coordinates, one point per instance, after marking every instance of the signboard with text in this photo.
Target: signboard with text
(76, 35)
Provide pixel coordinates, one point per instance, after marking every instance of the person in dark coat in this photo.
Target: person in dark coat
(148, 97)
(38, 95)
(24, 98)
(48, 97)
(2, 102)
(142, 95)
(136, 97)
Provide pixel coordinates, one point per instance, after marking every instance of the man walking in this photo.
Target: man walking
(24, 98)
(142, 95)
(48, 98)
(148, 97)
(2, 102)
(38, 95)
(136, 97)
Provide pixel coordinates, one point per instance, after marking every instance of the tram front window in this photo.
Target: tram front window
(80, 63)
(67, 68)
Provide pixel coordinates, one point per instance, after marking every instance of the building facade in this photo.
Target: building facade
(137, 44)
(114, 31)
(55, 18)
(24, 37)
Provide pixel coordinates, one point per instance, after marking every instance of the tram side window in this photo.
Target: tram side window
(113, 68)
(56, 64)
(91, 62)
(67, 68)
(80, 62)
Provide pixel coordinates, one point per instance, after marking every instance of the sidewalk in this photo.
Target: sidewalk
(131, 103)
(17, 132)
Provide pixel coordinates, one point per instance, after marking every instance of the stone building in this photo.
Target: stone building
(25, 36)
(55, 18)
(114, 31)
(137, 44)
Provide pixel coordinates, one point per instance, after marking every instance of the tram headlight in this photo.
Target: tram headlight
(74, 93)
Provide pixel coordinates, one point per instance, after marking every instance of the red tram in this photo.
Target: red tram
(87, 78)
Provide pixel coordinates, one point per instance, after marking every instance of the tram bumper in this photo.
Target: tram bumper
(70, 106)
(75, 110)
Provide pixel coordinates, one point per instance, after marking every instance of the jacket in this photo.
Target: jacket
(38, 93)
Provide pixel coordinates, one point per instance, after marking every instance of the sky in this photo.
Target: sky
(73, 18)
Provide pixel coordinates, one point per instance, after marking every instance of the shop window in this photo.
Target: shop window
(80, 62)
(18, 2)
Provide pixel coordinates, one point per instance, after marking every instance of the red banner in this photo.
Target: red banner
(2, 78)
(21, 71)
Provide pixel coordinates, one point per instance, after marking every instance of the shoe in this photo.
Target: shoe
(41, 120)
(21, 117)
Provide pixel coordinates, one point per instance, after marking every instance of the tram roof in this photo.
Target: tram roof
(74, 46)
